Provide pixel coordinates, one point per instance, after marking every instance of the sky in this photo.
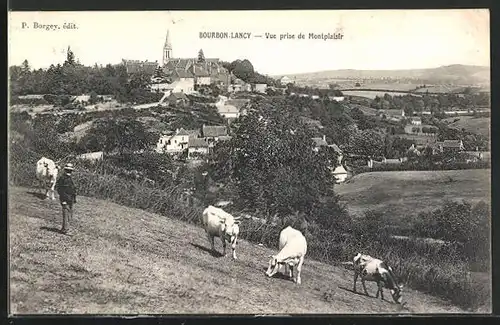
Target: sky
(372, 39)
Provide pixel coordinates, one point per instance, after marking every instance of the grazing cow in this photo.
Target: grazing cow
(46, 173)
(375, 270)
(293, 248)
(219, 223)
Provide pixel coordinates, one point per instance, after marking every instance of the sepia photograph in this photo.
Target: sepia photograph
(249, 162)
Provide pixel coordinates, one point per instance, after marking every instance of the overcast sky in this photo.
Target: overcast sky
(373, 39)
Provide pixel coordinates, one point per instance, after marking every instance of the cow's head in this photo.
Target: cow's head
(396, 293)
(357, 258)
(273, 266)
(230, 228)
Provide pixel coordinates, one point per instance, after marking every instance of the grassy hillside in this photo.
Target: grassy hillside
(403, 194)
(124, 260)
(478, 125)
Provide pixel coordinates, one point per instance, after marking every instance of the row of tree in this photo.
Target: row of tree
(434, 103)
(72, 78)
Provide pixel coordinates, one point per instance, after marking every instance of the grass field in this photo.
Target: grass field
(388, 86)
(441, 89)
(371, 94)
(403, 194)
(478, 125)
(125, 260)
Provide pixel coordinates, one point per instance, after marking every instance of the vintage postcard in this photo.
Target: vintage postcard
(249, 162)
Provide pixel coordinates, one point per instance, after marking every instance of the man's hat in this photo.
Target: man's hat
(69, 166)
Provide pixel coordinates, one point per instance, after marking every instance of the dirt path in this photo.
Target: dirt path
(123, 260)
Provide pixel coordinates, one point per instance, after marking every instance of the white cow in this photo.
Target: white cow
(46, 173)
(219, 223)
(293, 248)
(375, 270)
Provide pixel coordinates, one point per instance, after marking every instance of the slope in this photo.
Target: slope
(406, 193)
(123, 260)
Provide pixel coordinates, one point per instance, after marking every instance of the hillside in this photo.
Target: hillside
(466, 74)
(123, 260)
(477, 125)
(406, 193)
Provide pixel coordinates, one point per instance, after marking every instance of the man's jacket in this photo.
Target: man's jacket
(66, 189)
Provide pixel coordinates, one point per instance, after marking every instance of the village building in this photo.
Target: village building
(259, 88)
(448, 146)
(338, 170)
(213, 132)
(285, 80)
(199, 71)
(337, 98)
(197, 147)
(136, 66)
(178, 99)
(238, 85)
(176, 142)
(478, 156)
(179, 86)
(416, 121)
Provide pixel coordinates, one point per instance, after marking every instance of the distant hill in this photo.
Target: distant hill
(456, 73)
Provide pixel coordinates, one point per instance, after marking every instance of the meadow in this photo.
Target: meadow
(371, 94)
(436, 271)
(477, 125)
(401, 195)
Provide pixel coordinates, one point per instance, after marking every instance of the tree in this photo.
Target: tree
(367, 143)
(243, 70)
(271, 160)
(123, 135)
(201, 56)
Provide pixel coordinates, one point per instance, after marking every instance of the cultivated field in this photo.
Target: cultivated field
(388, 86)
(478, 125)
(124, 260)
(441, 89)
(371, 94)
(403, 194)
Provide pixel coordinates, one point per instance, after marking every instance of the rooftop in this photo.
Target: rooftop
(214, 130)
(197, 143)
(178, 96)
(227, 109)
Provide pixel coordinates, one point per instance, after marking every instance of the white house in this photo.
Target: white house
(179, 86)
(337, 98)
(340, 174)
(285, 80)
(260, 88)
(175, 143)
(416, 121)
(229, 112)
(82, 99)
(161, 87)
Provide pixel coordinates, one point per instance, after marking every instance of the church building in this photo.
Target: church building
(203, 71)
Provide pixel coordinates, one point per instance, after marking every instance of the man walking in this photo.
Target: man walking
(67, 195)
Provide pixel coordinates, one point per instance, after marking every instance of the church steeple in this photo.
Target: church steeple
(167, 49)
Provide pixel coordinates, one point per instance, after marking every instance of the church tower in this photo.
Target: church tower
(167, 49)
